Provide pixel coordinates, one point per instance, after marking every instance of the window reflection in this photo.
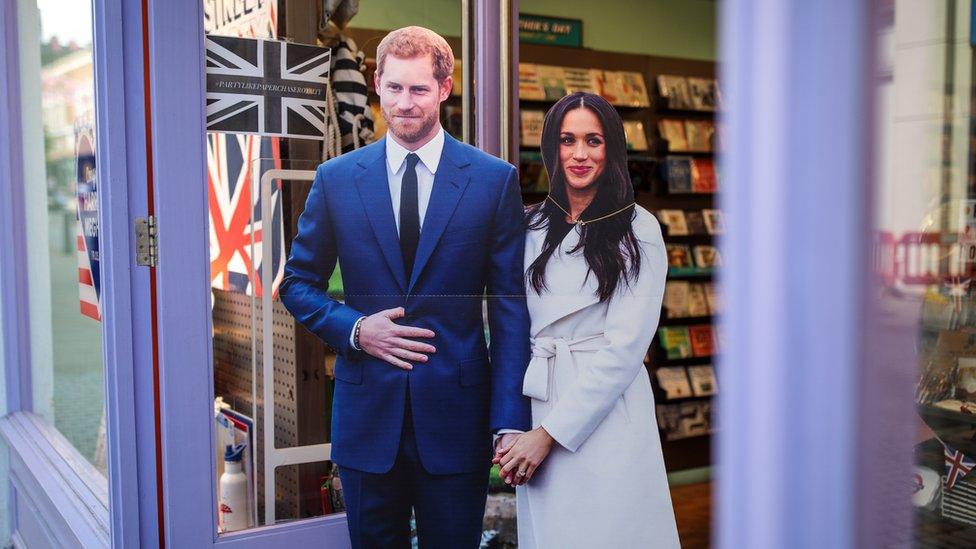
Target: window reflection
(62, 221)
(925, 251)
(250, 348)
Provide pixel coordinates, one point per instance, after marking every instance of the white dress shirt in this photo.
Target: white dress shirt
(396, 166)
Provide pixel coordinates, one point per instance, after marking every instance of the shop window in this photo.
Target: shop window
(925, 218)
(61, 211)
(258, 185)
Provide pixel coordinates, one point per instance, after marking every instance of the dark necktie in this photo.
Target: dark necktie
(409, 214)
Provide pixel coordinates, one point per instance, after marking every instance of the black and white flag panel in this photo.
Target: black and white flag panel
(266, 87)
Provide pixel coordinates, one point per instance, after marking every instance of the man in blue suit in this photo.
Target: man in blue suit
(424, 226)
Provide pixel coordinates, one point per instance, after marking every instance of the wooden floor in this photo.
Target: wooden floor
(693, 512)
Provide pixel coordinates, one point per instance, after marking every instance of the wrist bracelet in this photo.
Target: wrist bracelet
(355, 335)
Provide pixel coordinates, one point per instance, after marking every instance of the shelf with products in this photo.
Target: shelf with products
(545, 104)
(684, 361)
(679, 384)
(684, 320)
(683, 420)
(679, 400)
(682, 195)
(547, 82)
(664, 110)
(689, 272)
(684, 135)
(683, 386)
(683, 342)
(690, 239)
(679, 91)
(695, 154)
(631, 153)
(695, 260)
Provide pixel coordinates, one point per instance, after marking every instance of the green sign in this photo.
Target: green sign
(550, 31)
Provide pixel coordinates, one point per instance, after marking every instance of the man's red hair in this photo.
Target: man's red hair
(411, 42)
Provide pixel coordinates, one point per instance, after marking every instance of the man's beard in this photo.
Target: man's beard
(396, 125)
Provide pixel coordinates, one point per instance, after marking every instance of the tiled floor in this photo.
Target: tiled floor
(693, 512)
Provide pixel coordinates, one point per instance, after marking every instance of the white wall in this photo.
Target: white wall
(915, 111)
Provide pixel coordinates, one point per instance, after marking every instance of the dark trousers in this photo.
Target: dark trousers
(449, 508)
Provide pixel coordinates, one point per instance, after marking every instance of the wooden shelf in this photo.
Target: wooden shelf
(710, 196)
(687, 453)
(679, 400)
(705, 154)
(663, 109)
(663, 361)
(549, 103)
(630, 152)
(690, 272)
(687, 320)
(689, 237)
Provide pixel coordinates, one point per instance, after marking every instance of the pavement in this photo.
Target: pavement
(79, 391)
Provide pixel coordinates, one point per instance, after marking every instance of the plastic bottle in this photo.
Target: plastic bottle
(233, 491)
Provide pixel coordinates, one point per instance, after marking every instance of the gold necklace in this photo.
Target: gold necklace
(580, 222)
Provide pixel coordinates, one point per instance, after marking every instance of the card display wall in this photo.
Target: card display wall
(661, 100)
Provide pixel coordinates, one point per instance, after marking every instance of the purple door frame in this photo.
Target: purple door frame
(798, 455)
(13, 256)
(122, 167)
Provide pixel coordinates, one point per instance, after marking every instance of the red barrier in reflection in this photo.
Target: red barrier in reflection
(920, 259)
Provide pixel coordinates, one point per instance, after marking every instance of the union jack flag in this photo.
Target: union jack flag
(236, 227)
(957, 466)
(234, 204)
(266, 87)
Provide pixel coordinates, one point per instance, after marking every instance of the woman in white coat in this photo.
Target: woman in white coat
(591, 472)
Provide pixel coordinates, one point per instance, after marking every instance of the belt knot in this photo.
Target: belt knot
(540, 374)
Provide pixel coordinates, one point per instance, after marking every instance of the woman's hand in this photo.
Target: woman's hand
(520, 459)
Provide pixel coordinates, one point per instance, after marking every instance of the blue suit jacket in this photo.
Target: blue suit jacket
(472, 243)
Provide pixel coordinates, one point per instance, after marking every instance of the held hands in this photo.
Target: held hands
(524, 454)
(381, 337)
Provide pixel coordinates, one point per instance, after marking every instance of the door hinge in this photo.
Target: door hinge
(147, 249)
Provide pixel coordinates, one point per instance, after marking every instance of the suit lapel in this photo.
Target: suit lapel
(449, 183)
(374, 190)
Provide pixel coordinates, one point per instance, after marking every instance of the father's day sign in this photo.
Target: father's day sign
(550, 31)
(266, 87)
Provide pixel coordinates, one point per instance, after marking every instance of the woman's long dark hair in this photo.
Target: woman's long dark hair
(609, 245)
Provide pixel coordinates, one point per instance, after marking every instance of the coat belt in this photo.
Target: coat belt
(542, 373)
